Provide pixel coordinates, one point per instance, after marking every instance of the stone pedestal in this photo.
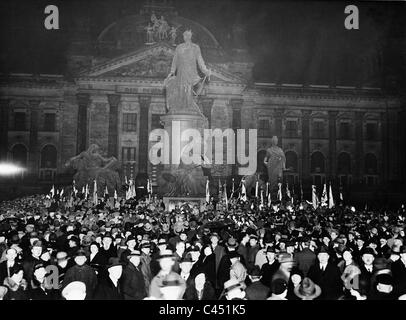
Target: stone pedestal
(177, 178)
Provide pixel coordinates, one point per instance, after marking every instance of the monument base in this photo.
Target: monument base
(171, 202)
(176, 178)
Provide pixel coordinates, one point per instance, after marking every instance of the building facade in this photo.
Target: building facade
(114, 97)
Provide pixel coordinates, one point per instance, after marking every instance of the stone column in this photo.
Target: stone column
(359, 145)
(33, 142)
(83, 100)
(144, 102)
(236, 105)
(332, 116)
(306, 181)
(4, 115)
(112, 149)
(278, 114)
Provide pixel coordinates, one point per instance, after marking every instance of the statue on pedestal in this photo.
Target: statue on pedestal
(275, 162)
(184, 77)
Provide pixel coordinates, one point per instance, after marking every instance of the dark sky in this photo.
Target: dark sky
(290, 42)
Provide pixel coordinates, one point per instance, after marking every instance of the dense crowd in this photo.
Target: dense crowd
(58, 249)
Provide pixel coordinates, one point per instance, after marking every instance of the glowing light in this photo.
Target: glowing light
(8, 169)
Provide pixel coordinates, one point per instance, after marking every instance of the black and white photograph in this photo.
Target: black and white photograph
(202, 150)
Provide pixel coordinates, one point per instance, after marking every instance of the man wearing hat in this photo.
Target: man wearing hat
(75, 290)
(223, 273)
(367, 269)
(279, 289)
(82, 272)
(399, 272)
(34, 259)
(270, 267)
(305, 258)
(234, 290)
(145, 248)
(252, 251)
(109, 286)
(256, 290)
(326, 275)
(166, 263)
(383, 289)
(171, 288)
(307, 290)
(132, 279)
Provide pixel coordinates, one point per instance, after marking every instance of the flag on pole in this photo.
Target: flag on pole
(262, 197)
(269, 200)
(315, 200)
(280, 191)
(330, 198)
(256, 189)
(233, 189)
(115, 195)
(225, 194)
(75, 191)
(61, 193)
(288, 192)
(106, 193)
(52, 192)
(83, 190)
(95, 201)
(324, 197)
(243, 191)
(341, 193)
(267, 189)
(207, 192)
(301, 191)
(87, 191)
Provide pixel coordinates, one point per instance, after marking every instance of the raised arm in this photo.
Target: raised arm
(201, 63)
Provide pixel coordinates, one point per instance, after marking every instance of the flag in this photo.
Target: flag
(106, 193)
(225, 194)
(95, 192)
(243, 191)
(330, 197)
(341, 194)
(256, 189)
(280, 191)
(60, 194)
(233, 189)
(262, 197)
(269, 200)
(315, 200)
(52, 192)
(75, 191)
(324, 198)
(115, 195)
(207, 192)
(288, 192)
(83, 190)
(301, 191)
(267, 189)
(87, 191)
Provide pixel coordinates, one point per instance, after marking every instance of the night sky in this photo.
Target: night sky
(290, 42)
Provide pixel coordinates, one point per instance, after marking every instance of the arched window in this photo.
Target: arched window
(317, 162)
(291, 160)
(48, 156)
(371, 164)
(19, 154)
(344, 163)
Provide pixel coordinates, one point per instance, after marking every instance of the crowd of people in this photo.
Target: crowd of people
(53, 249)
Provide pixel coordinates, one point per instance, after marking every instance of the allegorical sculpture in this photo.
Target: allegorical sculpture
(275, 162)
(91, 165)
(184, 82)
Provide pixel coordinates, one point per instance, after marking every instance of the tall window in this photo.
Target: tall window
(371, 131)
(49, 122)
(129, 122)
(318, 129)
(128, 154)
(317, 162)
(48, 157)
(19, 121)
(345, 130)
(264, 128)
(291, 128)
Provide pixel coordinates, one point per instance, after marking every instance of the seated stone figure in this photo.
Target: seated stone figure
(91, 165)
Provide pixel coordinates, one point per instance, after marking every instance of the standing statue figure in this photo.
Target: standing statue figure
(163, 29)
(184, 77)
(172, 34)
(275, 162)
(150, 34)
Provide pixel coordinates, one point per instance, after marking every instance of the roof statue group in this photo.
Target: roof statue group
(158, 29)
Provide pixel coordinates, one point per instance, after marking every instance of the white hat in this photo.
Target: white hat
(74, 288)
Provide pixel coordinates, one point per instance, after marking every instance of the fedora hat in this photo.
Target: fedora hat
(307, 290)
(232, 243)
(113, 262)
(166, 254)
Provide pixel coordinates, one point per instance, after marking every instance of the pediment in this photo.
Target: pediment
(151, 62)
